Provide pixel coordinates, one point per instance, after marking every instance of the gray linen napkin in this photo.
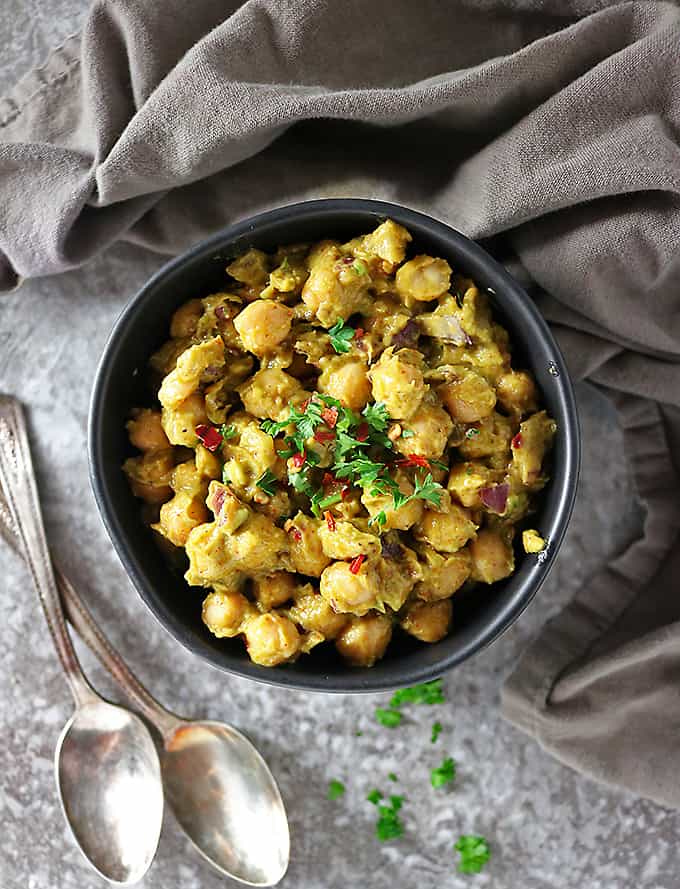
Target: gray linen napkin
(550, 124)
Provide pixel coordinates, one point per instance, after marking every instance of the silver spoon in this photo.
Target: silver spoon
(219, 787)
(106, 764)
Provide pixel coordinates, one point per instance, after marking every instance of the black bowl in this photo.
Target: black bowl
(480, 615)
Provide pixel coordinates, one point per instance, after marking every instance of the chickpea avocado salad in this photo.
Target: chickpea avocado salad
(340, 443)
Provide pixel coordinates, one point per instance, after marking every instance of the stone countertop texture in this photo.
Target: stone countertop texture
(549, 828)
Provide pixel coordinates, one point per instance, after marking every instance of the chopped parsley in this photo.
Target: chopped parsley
(407, 433)
(472, 432)
(374, 797)
(359, 267)
(388, 825)
(267, 482)
(336, 789)
(376, 416)
(425, 693)
(227, 432)
(388, 718)
(474, 853)
(443, 774)
(341, 334)
(392, 776)
(436, 731)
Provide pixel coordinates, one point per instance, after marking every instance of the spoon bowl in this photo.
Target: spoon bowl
(225, 798)
(109, 781)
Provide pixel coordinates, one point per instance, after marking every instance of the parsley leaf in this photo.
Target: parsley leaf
(427, 489)
(336, 789)
(374, 797)
(436, 731)
(407, 433)
(267, 482)
(392, 776)
(389, 826)
(474, 853)
(340, 335)
(425, 693)
(359, 267)
(376, 416)
(443, 774)
(227, 432)
(388, 718)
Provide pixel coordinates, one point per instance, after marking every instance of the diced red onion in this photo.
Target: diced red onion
(407, 337)
(495, 498)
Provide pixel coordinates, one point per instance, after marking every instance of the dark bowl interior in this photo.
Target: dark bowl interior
(479, 615)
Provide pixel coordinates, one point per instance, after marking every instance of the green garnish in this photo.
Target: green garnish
(392, 776)
(336, 789)
(380, 518)
(227, 432)
(359, 268)
(225, 476)
(374, 797)
(443, 774)
(474, 853)
(436, 731)
(341, 334)
(407, 433)
(331, 500)
(388, 718)
(472, 432)
(388, 825)
(359, 734)
(426, 489)
(460, 297)
(425, 693)
(267, 482)
(376, 416)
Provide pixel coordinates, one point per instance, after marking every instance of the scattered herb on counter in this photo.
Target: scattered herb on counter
(388, 825)
(336, 789)
(425, 693)
(374, 797)
(443, 774)
(474, 853)
(392, 776)
(267, 482)
(359, 734)
(341, 334)
(388, 718)
(436, 731)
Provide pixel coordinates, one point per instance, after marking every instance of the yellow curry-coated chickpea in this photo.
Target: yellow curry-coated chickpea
(492, 557)
(185, 320)
(446, 531)
(262, 325)
(365, 640)
(469, 398)
(351, 593)
(179, 516)
(306, 551)
(313, 613)
(428, 621)
(274, 589)
(346, 380)
(145, 431)
(179, 423)
(443, 575)
(466, 480)
(423, 278)
(224, 612)
(431, 427)
(398, 383)
(268, 393)
(516, 392)
(150, 474)
(272, 639)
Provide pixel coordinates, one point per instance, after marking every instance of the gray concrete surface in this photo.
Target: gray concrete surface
(549, 827)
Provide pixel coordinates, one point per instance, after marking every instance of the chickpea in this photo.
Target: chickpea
(262, 325)
(185, 320)
(423, 278)
(431, 427)
(346, 380)
(398, 519)
(179, 516)
(466, 480)
(185, 379)
(150, 475)
(252, 268)
(516, 392)
(492, 557)
(347, 541)
(489, 438)
(146, 432)
(443, 575)
(224, 612)
(351, 593)
(398, 383)
(179, 423)
(469, 398)
(388, 241)
(312, 612)
(428, 621)
(446, 531)
(306, 552)
(272, 639)
(274, 589)
(269, 392)
(365, 640)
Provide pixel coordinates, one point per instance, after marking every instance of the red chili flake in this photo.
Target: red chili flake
(362, 432)
(330, 521)
(415, 460)
(295, 534)
(328, 480)
(345, 492)
(322, 437)
(517, 441)
(358, 333)
(305, 405)
(356, 563)
(298, 459)
(209, 436)
(330, 416)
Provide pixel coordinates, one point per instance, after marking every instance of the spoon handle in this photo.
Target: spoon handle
(18, 479)
(89, 631)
